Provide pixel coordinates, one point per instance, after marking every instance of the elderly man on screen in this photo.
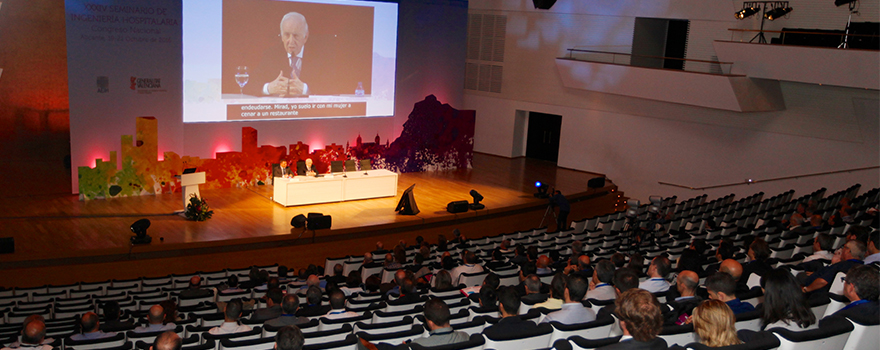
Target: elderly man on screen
(294, 34)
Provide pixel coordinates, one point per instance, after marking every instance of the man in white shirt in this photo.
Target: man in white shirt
(657, 272)
(573, 311)
(337, 307)
(823, 248)
(600, 286)
(230, 321)
(470, 266)
(156, 315)
(32, 337)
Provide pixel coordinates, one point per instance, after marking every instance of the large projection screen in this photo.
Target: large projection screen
(247, 60)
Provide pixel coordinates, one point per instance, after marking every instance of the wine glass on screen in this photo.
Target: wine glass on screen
(241, 77)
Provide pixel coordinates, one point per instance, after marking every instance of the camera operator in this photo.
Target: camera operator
(558, 200)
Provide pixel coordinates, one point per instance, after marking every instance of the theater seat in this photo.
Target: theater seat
(832, 333)
(600, 328)
(865, 334)
(348, 343)
(580, 343)
(539, 338)
(476, 342)
(760, 341)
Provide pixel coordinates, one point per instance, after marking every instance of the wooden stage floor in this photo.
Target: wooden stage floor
(55, 230)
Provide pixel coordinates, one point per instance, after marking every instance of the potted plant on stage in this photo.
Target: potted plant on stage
(197, 209)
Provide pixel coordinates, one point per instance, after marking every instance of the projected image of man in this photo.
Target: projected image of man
(294, 35)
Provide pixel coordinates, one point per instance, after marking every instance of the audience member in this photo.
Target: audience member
(289, 338)
(533, 294)
(624, 280)
(470, 266)
(572, 311)
(443, 282)
(352, 283)
(313, 307)
(337, 307)
(519, 255)
(722, 286)
(600, 284)
(509, 324)
(861, 288)
(155, 317)
(640, 321)
(619, 260)
(873, 247)
(111, 318)
(714, 323)
(168, 340)
(337, 277)
(194, 290)
(681, 308)
(437, 320)
(823, 248)
(557, 289)
(230, 323)
(758, 253)
(487, 297)
(785, 306)
(273, 306)
(170, 309)
(289, 305)
(636, 263)
(657, 272)
(24, 325)
(851, 254)
(735, 270)
(543, 265)
(33, 337)
(91, 328)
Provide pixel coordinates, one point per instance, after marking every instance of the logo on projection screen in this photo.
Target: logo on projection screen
(146, 85)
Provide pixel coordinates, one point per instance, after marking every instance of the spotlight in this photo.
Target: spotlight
(139, 228)
(843, 2)
(542, 190)
(777, 12)
(477, 198)
(298, 221)
(746, 12)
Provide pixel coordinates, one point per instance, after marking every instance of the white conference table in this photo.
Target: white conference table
(304, 190)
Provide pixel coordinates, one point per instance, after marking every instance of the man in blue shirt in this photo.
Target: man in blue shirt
(851, 254)
(722, 286)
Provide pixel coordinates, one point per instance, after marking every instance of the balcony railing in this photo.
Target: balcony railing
(689, 65)
(826, 39)
(752, 182)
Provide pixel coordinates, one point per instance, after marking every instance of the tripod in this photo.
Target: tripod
(852, 10)
(548, 211)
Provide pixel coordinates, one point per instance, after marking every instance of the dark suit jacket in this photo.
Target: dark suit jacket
(313, 310)
(632, 344)
(678, 308)
(276, 171)
(869, 309)
(508, 326)
(266, 314)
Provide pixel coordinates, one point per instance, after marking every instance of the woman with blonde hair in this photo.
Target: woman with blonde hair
(714, 323)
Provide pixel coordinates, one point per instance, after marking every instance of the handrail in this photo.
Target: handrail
(750, 182)
(570, 51)
(798, 32)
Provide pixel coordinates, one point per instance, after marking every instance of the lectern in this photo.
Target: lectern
(190, 183)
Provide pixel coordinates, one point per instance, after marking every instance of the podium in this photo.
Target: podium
(190, 184)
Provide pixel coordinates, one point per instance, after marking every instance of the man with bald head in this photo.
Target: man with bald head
(167, 341)
(155, 317)
(735, 270)
(195, 290)
(91, 328)
(33, 336)
(544, 265)
(683, 306)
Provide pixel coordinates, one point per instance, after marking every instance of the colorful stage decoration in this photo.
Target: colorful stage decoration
(434, 137)
(198, 209)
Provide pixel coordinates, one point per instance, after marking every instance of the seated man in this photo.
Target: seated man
(91, 328)
(230, 320)
(470, 266)
(289, 305)
(533, 291)
(273, 306)
(640, 320)
(873, 247)
(851, 254)
(289, 338)
(167, 341)
(155, 317)
(437, 321)
(600, 285)
(722, 287)
(510, 323)
(314, 307)
(194, 290)
(32, 337)
(557, 289)
(544, 265)
(24, 328)
(337, 307)
(681, 308)
(861, 288)
(573, 311)
(624, 280)
(280, 170)
(657, 272)
(111, 318)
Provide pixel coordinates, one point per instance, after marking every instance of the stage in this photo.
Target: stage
(62, 231)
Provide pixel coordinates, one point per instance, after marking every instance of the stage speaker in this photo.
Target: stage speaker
(298, 221)
(596, 182)
(7, 245)
(318, 221)
(457, 207)
(407, 204)
(543, 4)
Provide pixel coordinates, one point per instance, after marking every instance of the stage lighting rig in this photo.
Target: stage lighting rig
(777, 12)
(139, 228)
(747, 11)
(477, 198)
(542, 190)
(771, 9)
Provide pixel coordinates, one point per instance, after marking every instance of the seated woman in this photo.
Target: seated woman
(785, 305)
(714, 323)
(443, 281)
